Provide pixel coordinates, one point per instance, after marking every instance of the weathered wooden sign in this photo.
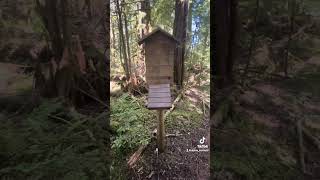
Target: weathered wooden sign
(159, 60)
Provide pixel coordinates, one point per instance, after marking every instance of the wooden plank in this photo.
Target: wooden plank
(159, 100)
(159, 81)
(159, 86)
(155, 90)
(159, 94)
(159, 106)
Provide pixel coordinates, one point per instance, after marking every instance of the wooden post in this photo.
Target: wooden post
(161, 132)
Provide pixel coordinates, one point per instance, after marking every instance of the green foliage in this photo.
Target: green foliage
(43, 147)
(237, 149)
(312, 7)
(185, 115)
(131, 122)
(162, 14)
(37, 25)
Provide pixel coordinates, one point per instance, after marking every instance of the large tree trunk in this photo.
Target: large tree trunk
(233, 41)
(145, 7)
(225, 41)
(49, 15)
(145, 21)
(72, 35)
(189, 30)
(180, 33)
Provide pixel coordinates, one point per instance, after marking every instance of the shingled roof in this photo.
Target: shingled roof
(155, 31)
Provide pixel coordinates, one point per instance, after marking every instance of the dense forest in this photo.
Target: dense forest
(74, 90)
(133, 143)
(266, 90)
(54, 89)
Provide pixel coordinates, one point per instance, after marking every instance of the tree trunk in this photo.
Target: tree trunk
(291, 19)
(68, 30)
(226, 23)
(189, 32)
(49, 15)
(127, 42)
(253, 38)
(180, 33)
(233, 41)
(145, 8)
(122, 40)
(132, 68)
(221, 42)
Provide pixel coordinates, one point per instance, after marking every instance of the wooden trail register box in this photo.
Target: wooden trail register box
(159, 61)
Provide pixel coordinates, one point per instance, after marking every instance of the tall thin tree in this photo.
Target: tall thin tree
(180, 33)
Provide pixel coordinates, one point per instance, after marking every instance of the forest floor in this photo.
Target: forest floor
(260, 140)
(12, 79)
(177, 162)
(185, 125)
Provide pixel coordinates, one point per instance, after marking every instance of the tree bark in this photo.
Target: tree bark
(233, 41)
(180, 33)
(291, 19)
(127, 42)
(122, 39)
(226, 39)
(253, 38)
(145, 8)
(221, 42)
(71, 34)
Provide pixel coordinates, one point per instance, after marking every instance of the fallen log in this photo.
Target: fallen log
(136, 155)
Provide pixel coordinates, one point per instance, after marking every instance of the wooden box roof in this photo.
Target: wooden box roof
(156, 31)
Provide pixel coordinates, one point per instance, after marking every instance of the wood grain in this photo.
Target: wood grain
(159, 97)
(159, 100)
(159, 105)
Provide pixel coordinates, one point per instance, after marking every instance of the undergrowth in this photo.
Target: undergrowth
(50, 143)
(185, 116)
(309, 80)
(132, 124)
(238, 150)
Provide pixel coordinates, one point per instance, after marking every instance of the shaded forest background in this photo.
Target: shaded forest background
(53, 89)
(266, 88)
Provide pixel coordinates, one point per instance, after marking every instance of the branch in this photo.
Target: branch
(93, 97)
